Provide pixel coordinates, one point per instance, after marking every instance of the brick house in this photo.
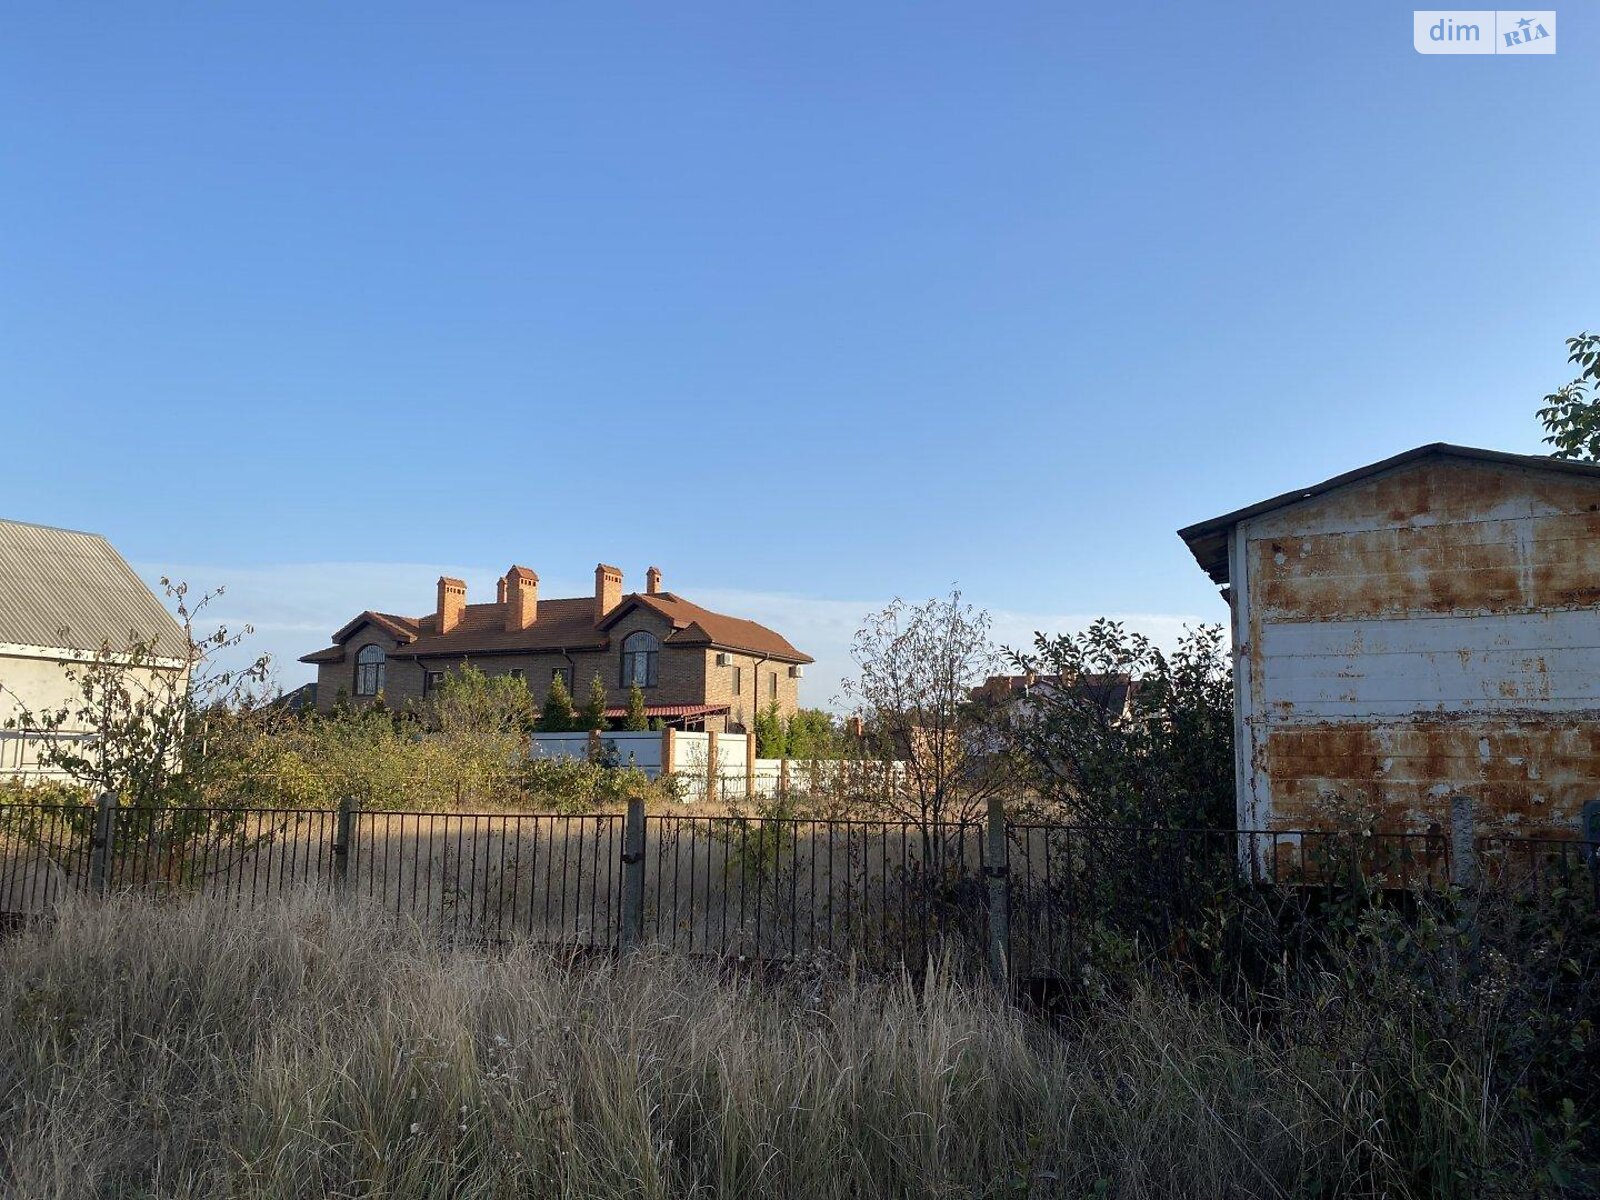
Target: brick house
(698, 669)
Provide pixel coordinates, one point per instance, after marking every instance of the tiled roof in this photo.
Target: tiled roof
(563, 624)
(73, 590)
(403, 629)
(696, 626)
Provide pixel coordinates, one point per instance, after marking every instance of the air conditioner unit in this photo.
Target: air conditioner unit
(797, 672)
(724, 660)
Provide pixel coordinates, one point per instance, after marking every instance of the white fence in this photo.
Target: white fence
(710, 765)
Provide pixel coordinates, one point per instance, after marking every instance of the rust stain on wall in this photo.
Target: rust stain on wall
(1549, 562)
(1467, 708)
(1532, 773)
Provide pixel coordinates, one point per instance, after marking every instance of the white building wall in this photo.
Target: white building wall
(1427, 633)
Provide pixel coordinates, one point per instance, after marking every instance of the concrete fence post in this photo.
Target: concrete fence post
(750, 766)
(100, 843)
(783, 777)
(712, 766)
(594, 745)
(343, 841)
(631, 934)
(1463, 842)
(997, 868)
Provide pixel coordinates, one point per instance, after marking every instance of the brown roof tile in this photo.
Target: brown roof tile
(564, 624)
(561, 625)
(693, 625)
(401, 628)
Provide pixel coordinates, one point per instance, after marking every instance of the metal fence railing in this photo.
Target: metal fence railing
(1027, 899)
(783, 887)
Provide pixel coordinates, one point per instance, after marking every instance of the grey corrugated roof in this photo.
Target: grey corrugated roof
(58, 579)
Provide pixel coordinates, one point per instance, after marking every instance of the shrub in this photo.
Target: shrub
(557, 715)
(593, 715)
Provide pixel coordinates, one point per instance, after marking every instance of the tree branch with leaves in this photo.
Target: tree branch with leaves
(1571, 413)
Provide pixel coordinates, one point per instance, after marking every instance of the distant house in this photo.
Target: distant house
(1113, 693)
(64, 597)
(1418, 628)
(698, 669)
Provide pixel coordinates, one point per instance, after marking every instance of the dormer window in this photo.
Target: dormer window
(369, 670)
(639, 653)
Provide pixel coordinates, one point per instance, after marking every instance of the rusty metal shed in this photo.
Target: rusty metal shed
(1421, 627)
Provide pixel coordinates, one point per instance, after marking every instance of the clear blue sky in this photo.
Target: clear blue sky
(832, 301)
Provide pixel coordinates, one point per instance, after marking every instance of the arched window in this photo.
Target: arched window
(369, 670)
(639, 652)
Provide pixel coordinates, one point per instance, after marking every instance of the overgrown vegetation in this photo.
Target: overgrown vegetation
(466, 746)
(1114, 731)
(321, 1050)
(167, 730)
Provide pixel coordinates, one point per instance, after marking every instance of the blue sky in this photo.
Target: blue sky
(810, 304)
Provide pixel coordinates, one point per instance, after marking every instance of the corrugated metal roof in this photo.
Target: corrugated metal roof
(62, 588)
(669, 710)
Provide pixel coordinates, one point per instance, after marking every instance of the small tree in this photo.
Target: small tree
(636, 721)
(470, 706)
(180, 737)
(813, 734)
(593, 715)
(1114, 732)
(1571, 413)
(153, 721)
(1130, 750)
(916, 667)
(772, 740)
(557, 715)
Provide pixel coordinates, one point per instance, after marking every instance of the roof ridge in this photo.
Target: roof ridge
(56, 528)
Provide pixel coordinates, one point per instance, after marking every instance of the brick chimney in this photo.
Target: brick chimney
(652, 580)
(452, 602)
(522, 599)
(500, 591)
(607, 590)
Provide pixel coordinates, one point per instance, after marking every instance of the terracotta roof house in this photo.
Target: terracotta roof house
(698, 669)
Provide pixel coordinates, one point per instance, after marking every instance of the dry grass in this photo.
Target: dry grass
(322, 1050)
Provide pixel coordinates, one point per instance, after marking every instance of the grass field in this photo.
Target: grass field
(314, 1049)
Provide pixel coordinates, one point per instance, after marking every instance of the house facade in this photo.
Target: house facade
(1417, 629)
(698, 669)
(65, 598)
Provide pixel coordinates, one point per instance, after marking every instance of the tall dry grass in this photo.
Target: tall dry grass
(323, 1050)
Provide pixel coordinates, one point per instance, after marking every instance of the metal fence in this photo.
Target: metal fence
(783, 887)
(1027, 900)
